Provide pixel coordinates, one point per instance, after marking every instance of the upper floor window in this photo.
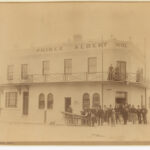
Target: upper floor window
(45, 67)
(68, 66)
(11, 99)
(24, 71)
(121, 70)
(92, 64)
(10, 72)
(50, 101)
(41, 101)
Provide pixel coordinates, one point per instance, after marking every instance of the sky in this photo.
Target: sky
(27, 25)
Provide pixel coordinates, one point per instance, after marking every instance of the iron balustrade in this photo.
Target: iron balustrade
(74, 119)
(76, 77)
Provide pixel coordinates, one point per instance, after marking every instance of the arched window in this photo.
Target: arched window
(96, 100)
(41, 101)
(50, 101)
(86, 101)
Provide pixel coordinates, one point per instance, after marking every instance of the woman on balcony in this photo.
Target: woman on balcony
(110, 72)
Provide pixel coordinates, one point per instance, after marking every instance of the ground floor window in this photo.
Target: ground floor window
(86, 101)
(50, 101)
(11, 99)
(96, 100)
(41, 101)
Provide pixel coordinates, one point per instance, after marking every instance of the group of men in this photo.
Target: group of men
(120, 114)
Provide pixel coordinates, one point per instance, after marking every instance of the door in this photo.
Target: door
(121, 98)
(67, 102)
(122, 70)
(25, 103)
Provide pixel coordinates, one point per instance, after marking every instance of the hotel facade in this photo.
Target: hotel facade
(38, 86)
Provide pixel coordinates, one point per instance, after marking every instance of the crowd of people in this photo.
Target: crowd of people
(120, 114)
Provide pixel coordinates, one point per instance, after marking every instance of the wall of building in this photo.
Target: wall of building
(75, 90)
(79, 58)
(60, 91)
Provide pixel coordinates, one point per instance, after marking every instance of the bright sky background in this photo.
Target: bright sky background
(25, 25)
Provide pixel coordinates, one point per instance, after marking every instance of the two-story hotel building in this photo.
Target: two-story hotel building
(38, 86)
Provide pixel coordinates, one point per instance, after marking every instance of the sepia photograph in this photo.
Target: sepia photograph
(75, 73)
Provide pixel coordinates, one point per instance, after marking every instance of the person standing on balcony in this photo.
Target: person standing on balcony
(110, 72)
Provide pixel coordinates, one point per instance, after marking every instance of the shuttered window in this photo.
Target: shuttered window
(24, 71)
(10, 69)
(68, 66)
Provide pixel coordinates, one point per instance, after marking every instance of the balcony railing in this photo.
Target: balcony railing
(75, 77)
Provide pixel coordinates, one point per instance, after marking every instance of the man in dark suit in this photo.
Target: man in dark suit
(117, 113)
(133, 114)
(139, 114)
(144, 114)
(100, 116)
(125, 114)
(109, 114)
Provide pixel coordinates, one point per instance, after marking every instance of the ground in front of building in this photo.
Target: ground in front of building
(48, 133)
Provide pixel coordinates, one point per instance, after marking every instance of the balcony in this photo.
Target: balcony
(129, 78)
